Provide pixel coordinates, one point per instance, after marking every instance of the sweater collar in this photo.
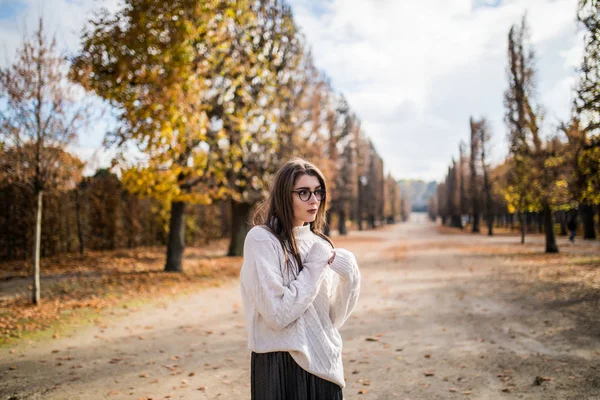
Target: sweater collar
(302, 232)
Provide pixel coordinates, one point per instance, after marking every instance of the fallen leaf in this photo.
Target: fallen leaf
(540, 379)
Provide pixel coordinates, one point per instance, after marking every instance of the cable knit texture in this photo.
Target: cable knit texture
(299, 314)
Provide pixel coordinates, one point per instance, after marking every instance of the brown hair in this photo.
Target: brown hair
(277, 212)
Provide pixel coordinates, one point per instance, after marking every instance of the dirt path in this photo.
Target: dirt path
(435, 320)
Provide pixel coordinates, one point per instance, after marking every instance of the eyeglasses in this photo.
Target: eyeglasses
(305, 194)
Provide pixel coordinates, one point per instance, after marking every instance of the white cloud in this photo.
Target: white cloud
(415, 71)
(93, 157)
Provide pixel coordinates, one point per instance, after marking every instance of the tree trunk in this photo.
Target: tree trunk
(176, 238)
(359, 205)
(370, 222)
(523, 222)
(562, 217)
(240, 214)
(342, 223)
(225, 219)
(490, 224)
(78, 217)
(67, 217)
(36, 252)
(551, 246)
(327, 228)
(456, 221)
(587, 218)
(476, 223)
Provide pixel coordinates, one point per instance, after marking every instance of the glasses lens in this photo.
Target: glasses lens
(319, 195)
(304, 195)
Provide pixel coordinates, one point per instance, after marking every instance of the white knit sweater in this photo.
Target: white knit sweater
(302, 314)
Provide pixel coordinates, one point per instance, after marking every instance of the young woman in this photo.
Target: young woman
(297, 291)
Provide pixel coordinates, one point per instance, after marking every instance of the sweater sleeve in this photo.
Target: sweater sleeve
(262, 280)
(345, 293)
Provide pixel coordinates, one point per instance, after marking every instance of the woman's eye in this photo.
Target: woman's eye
(303, 192)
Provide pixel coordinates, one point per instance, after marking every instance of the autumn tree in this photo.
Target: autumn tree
(392, 200)
(396, 200)
(587, 107)
(442, 202)
(462, 176)
(346, 183)
(159, 69)
(405, 208)
(474, 191)
(454, 195)
(362, 151)
(432, 208)
(520, 74)
(40, 114)
(483, 138)
(266, 52)
(534, 162)
(373, 193)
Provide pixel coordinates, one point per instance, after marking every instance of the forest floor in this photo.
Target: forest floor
(441, 315)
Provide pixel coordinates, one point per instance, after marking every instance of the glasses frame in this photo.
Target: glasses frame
(311, 193)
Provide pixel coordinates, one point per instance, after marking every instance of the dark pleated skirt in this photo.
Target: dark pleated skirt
(276, 376)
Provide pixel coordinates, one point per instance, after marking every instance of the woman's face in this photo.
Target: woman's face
(305, 211)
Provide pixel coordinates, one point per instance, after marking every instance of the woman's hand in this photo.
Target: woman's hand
(319, 254)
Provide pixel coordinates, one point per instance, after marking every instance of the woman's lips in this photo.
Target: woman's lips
(312, 211)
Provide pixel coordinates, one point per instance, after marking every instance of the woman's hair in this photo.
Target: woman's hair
(277, 212)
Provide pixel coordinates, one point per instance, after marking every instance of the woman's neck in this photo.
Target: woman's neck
(299, 224)
(303, 231)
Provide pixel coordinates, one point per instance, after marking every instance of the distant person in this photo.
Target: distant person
(572, 227)
(297, 291)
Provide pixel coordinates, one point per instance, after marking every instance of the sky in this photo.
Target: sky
(414, 71)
